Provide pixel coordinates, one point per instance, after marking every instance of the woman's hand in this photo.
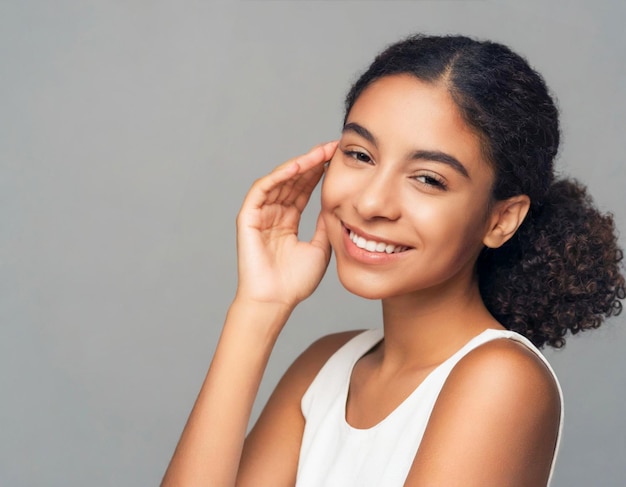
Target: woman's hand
(274, 266)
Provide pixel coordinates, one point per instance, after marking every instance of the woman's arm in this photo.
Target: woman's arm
(271, 450)
(275, 272)
(210, 446)
(495, 422)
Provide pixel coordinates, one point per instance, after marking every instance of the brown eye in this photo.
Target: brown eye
(359, 156)
(431, 180)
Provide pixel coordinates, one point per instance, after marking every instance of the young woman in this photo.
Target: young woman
(440, 200)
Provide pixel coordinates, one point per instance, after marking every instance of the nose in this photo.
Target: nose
(379, 197)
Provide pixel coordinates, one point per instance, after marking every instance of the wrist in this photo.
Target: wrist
(259, 319)
(244, 301)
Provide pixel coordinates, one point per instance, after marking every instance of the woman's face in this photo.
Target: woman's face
(406, 196)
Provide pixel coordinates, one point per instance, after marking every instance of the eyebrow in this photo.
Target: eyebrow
(419, 155)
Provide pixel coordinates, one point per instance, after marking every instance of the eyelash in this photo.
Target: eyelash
(430, 180)
(357, 155)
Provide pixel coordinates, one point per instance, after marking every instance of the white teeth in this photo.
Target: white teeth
(373, 246)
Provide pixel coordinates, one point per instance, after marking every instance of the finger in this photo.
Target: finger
(286, 193)
(320, 237)
(280, 193)
(305, 182)
(287, 189)
(310, 167)
(319, 154)
(303, 189)
(268, 188)
(309, 177)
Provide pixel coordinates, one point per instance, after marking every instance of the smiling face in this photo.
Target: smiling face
(406, 197)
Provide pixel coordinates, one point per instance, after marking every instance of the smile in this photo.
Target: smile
(374, 246)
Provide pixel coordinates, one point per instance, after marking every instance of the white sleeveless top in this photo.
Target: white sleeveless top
(334, 454)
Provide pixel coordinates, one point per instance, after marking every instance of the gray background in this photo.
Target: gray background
(129, 133)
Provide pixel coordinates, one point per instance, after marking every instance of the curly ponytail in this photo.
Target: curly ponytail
(562, 269)
(560, 272)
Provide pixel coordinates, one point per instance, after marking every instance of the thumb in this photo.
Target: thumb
(320, 237)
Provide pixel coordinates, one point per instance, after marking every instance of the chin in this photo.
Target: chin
(366, 288)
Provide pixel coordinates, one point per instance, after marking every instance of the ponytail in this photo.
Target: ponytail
(560, 272)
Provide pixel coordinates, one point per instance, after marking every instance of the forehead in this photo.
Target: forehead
(405, 113)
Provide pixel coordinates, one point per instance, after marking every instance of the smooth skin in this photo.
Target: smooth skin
(496, 419)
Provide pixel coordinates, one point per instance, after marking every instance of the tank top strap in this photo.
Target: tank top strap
(330, 381)
(334, 453)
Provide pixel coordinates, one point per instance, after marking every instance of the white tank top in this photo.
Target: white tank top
(334, 454)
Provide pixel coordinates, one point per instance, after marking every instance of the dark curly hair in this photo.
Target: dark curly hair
(562, 269)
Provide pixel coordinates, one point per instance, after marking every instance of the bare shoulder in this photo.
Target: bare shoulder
(505, 367)
(505, 375)
(495, 421)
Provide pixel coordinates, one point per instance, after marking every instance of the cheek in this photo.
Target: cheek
(453, 223)
(471, 228)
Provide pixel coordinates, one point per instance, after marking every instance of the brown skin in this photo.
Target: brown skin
(270, 456)
(482, 430)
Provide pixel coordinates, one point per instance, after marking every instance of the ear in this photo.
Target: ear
(506, 217)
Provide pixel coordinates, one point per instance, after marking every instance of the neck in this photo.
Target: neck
(426, 328)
